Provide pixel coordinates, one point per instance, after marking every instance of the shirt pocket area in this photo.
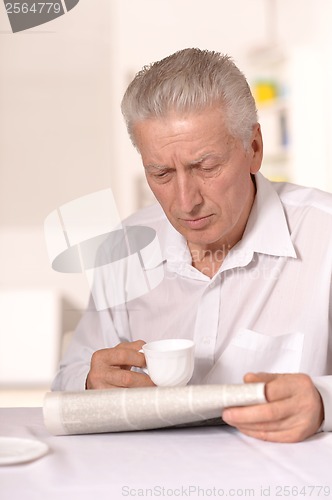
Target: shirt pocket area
(250, 351)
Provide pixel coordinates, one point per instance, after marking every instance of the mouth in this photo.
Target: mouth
(199, 223)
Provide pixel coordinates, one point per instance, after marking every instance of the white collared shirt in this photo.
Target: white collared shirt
(268, 308)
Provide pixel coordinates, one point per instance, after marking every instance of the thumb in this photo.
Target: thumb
(252, 378)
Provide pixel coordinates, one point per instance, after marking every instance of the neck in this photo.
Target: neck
(208, 261)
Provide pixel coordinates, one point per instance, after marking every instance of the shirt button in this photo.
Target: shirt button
(207, 340)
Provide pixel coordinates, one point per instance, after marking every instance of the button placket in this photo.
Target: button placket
(206, 329)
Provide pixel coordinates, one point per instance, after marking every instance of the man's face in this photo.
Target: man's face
(200, 175)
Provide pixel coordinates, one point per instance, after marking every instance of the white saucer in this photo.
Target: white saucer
(17, 450)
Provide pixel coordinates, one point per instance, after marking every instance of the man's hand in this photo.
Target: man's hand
(111, 368)
(294, 410)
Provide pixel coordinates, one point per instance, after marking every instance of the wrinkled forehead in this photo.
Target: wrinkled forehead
(190, 138)
(201, 121)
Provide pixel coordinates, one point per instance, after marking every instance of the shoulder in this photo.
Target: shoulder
(304, 198)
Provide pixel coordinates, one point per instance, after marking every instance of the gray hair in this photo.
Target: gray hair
(191, 80)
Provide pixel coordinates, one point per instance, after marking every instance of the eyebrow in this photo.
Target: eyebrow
(154, 165)
(192, 163)
(205, 157)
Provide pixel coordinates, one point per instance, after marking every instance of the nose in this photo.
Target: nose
(188, 193)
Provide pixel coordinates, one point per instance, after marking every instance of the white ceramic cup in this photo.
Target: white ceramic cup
(170, 362)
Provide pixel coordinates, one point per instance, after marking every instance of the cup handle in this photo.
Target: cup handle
(145, 370)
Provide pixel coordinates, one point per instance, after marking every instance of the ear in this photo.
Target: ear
(256, 149)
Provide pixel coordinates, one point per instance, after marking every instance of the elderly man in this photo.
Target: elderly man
(247, 263)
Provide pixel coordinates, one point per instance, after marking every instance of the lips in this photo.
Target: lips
(199, 223)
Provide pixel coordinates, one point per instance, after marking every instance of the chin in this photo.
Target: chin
(201, 238)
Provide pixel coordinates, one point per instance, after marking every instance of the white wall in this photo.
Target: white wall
(55, 130)
(61, 130)
(148, 30)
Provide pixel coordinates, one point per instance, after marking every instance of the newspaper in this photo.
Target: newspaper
(116, 410)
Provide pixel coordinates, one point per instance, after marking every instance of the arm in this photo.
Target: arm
(91, 356)
(294, 410)
(324, 386)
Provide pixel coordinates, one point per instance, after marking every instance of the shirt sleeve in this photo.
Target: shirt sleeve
(324, 386)
(95, 331)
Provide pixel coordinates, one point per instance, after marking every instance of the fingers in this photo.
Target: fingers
(251, 378)
(257, 414)
(124, 355)
(112, 367)
(293, 412)
(279, 386)
(117, 377)
(285, 436)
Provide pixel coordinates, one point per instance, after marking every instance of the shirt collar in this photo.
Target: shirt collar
(266, 231)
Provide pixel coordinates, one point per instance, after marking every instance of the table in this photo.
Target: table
(195, 463)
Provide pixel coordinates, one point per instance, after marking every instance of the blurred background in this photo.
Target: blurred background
(62, 136)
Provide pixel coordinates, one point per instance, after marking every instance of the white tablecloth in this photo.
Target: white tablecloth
(193, 463)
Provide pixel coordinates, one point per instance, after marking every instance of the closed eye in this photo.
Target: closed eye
(210, 170)
(158, 174)
(211, 164)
